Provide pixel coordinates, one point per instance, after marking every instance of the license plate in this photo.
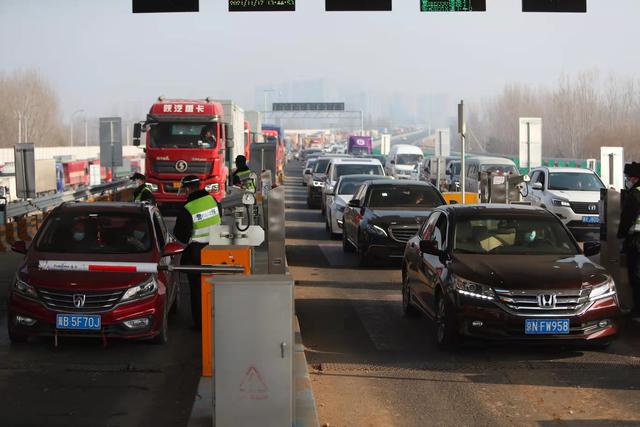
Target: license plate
(546, 326)
(177, 184)
(78, 321)
(591, 219)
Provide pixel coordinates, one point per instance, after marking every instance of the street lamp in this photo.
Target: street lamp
(71, 126)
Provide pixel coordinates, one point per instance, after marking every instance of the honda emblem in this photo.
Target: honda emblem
(78, 300)
(547, 300)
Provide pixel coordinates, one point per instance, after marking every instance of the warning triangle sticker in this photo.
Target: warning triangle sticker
(253, 382)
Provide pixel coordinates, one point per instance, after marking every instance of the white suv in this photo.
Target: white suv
(573, 194)
(347, 166)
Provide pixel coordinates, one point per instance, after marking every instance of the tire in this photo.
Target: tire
(446, 332)
(163, 336)
(176, 301)
(346, 245)
(327, 225)
(408, 309)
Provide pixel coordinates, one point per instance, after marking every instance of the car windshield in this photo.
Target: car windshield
(358, 169)
(574, 181)
(408, 159)
(404, 197)
(349, 185)
(506, 235)
(95, 233)
(499, 169)
(182, 135)
(321, 166)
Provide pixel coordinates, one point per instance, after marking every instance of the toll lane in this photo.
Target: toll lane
(372, 366)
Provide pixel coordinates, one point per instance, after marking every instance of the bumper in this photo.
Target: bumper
(314, 195)
(168, 193)
(112, 321)
(384, 247)
(599, 321)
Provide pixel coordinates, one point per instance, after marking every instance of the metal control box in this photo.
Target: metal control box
(253, 350)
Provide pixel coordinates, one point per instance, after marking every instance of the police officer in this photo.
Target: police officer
(243, 176)
(629, 230)
(193, 223)
(142, 193)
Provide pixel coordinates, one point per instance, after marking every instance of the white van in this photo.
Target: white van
(478, 164)
(402, 159)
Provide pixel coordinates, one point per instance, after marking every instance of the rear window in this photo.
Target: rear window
(404, 197)
(350, 185)
(95, 233)
(358, 169)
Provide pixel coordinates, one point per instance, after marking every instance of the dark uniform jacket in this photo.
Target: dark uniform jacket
(630, 211)
(147, 196)
(184, 222)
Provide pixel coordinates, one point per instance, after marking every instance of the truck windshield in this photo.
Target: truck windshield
(574, 182)
(183, 135)
(499, 169)
(360, 151)
(408, 159)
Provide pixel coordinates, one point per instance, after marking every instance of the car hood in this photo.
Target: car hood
(576, 196)
(397, 216)
(81, 280)
(528, 272)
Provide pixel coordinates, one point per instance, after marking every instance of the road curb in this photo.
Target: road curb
(305, 412)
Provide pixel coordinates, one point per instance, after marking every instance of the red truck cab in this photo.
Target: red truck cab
(176, 146)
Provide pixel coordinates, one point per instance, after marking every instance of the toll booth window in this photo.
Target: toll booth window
(95, 234)
(183, 135)
(390, 197)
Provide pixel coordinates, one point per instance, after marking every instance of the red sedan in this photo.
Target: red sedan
(88, 303)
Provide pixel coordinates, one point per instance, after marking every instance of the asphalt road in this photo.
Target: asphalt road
(370, 366)
(81, 383)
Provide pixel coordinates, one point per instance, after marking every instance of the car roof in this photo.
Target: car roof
(564, 169)
(356, 160)
(494, 208)
(398, 182)
(106, 207)
(495, 160)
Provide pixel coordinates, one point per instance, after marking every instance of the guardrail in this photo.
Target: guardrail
(43, 203)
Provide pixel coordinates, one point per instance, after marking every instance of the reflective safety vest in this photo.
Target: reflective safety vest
(138, 198)
(204, 213)
(636, 224)
(247, 180)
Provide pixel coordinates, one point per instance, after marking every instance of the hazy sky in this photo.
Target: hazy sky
(101, 57)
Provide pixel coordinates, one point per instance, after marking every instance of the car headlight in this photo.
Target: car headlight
(472, 289)
(212, 187)
(560, 202)
(374, 229)
(23, 288)
(143, 290)
(603, 290)
(317, 183)
(152, 187)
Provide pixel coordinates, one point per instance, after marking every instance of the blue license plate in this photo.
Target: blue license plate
(78, 322)
(591, 219)
(546, 326)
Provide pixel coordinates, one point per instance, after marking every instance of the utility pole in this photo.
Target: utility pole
(19, 128)
(461, 131)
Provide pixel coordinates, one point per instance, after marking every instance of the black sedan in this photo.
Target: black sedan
(384, 214)
(507, 272)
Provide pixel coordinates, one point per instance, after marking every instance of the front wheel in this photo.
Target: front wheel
(163, 336)
(346, 245)
(446, 332)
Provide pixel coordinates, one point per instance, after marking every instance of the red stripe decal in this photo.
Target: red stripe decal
(116, 268)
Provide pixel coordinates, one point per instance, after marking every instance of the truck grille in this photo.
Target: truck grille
(585, 208)
(169, 166)
(402, 233)
(95, 301)
(558, 302)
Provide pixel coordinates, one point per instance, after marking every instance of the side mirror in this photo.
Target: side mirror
(19, 246)
(172, 249)
(137, 131)
(537, 186)
(591, 248)
(354, 203)
(228, 135)
(429, 247)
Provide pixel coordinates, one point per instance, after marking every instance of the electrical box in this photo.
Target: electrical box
(253, 350)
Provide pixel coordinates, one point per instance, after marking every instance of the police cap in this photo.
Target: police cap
(190, 181)
(632, 169)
